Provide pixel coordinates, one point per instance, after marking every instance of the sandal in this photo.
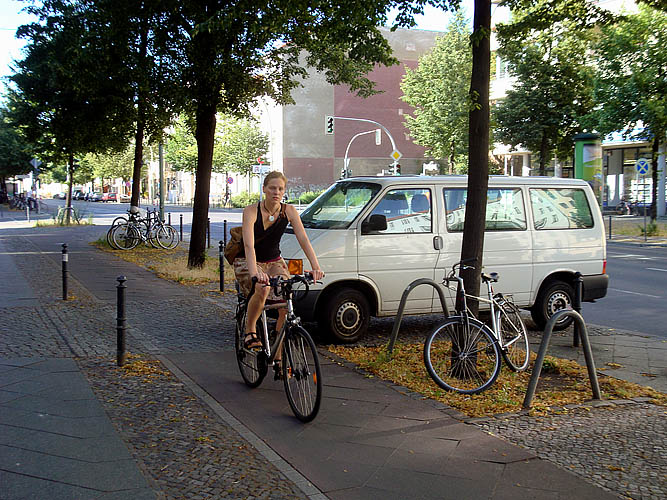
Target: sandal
(252, 342)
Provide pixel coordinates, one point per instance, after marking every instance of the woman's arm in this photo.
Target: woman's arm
(301, 236)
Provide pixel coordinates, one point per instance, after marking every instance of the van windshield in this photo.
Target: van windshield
(339, 205)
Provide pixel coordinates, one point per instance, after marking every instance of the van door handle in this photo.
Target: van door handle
(437, 242)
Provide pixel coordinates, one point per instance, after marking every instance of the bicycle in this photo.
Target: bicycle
(300, 365)
(463, 354)
(125, 234)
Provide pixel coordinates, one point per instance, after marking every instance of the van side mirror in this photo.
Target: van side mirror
(376, 222)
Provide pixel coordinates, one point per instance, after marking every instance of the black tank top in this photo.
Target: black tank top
(267, 242)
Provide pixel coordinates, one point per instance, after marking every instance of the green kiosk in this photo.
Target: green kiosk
(588, 162)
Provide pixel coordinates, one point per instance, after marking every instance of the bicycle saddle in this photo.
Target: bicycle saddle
(491, 277)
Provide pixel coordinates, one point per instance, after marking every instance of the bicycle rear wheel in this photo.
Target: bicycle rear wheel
(125, 236)
(166, 237)
(301, 374)
(252, 364)
(515, 348)
(462, 355)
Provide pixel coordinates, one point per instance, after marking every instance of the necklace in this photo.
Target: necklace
(271, 215)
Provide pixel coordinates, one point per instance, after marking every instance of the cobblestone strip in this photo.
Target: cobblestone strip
(621, 448)
(183, 446)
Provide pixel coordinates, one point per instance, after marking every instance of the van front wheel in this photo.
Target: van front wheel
(346, 316)
(553, 297)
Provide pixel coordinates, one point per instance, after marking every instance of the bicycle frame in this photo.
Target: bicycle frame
(494, 306)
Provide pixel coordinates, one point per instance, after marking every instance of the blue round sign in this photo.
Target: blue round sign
(642, 166)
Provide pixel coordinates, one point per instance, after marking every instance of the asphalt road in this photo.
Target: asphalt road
(635, 301)
(636, 297)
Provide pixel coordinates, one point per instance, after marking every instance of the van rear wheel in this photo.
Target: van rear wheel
(553, 297)
(346, 316)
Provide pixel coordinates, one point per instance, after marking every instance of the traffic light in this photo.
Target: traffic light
(398, 169)
(329, 125)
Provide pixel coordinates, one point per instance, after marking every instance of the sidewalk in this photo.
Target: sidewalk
(72, 425)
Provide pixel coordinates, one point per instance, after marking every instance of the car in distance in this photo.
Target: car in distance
(97, 196)
(59, 196)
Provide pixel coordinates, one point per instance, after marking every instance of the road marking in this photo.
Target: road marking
(636, 293)
(656, 269)
(624, 255)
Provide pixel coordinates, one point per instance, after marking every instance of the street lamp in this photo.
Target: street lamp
(346, 162)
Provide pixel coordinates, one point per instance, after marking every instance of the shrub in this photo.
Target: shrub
(244, 199)
(308, 196)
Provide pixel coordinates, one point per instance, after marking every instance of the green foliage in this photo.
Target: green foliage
(67, 102)
(308, 196)
(438, 90)
(242, 200)
(630, 81)
(238, 144)
(553, 92)
(111, 165)
(651, 229)
(15, 151)
(181, 147)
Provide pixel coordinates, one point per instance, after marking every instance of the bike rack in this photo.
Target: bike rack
(546, 336)
(401, 307)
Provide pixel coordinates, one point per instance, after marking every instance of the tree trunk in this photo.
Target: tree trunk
(543, 154)
(205, 135)
(70, 179)
(138, 160)
(451, 158)
(654, 177)
(478, 150)
(141, 127)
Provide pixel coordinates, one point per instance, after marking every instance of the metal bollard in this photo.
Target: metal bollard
(224, 232)
(221, 248)
(121, 356)
(208, 232)
(610, 227)
(181, 228)
(27, 211)
(65, 272)
(576, 305)
(169, 217)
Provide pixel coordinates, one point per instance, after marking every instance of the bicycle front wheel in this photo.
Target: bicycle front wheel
(252, 364)
(514, 337)
(166, 237)
(301, 374)
(117, 221)
(125, 236)
(462, 355)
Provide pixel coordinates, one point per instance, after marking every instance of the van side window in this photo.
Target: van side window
(505, 210)
(564, 208)
(406, 210)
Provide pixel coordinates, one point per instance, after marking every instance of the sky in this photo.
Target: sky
(11, 18)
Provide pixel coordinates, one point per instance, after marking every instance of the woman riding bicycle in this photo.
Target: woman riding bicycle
(263, 226)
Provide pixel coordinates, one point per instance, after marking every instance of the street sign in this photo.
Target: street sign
(642, 166)
(396, 155)
(260, 169)
(230, 180)
(35, 162)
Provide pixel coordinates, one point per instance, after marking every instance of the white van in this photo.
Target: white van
(375, 235)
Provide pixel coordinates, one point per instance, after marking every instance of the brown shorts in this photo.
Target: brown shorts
(272, 269)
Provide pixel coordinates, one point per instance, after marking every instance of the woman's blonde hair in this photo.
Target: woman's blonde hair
(274, 174)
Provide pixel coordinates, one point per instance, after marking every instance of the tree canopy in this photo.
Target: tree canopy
(438, 90)
(631, 80)
(553, 90)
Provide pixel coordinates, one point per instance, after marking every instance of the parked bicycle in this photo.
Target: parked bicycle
(463, 354)
(299, 366)
(127, 233)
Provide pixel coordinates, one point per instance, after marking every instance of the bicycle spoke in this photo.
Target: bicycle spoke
(461, 355)
(301, 373)
(514, 337)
